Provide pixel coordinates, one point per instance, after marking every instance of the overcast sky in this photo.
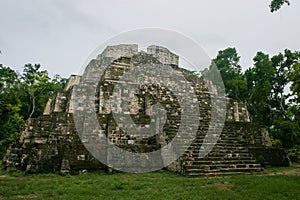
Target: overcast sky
(61, 34)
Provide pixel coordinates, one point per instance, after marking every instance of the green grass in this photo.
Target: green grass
(156, 185)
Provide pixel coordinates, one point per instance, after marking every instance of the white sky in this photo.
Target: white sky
(61, 34)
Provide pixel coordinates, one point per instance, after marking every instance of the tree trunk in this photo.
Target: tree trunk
(33, 107)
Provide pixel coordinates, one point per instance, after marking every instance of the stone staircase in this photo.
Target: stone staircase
(229, 156)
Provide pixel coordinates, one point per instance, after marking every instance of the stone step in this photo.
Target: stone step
(201, 138)
(224, 171)
(194, 151)
(221, 166)
(216, 148)
(217, 153)
(222, 155)
(211, 158)
(217, 145)
(229, 162)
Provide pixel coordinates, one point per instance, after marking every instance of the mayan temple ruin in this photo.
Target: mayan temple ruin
(52, 142)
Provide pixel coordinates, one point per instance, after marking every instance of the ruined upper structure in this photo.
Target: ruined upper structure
(51, 142)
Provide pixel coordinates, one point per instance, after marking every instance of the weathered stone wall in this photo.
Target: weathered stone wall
(122, 50)
(163, 55)
(51, 142)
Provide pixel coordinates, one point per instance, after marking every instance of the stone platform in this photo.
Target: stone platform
(51, 142)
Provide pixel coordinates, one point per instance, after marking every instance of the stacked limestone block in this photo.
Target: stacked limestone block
(51, 142)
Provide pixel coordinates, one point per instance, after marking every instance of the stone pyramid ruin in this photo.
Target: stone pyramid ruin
(52, 142)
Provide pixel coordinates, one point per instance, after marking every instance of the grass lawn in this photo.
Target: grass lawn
(156, 185)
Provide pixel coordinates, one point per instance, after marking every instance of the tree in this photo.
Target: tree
(38, 87)
(10, 105)
(278, 97)
(277, 4)
(268, 101)
(263, 88)
(227, 62)
(284, 114)
(260, 80)
(294, 77)
(22, 97)
(294, 109)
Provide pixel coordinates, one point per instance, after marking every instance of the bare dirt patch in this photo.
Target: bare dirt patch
(288, 172)
(221, 186)
(28, 196)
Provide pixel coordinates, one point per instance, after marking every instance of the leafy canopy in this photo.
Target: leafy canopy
(277, 4)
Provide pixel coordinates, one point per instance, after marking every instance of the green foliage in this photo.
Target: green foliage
(294, 153)
(38, 87)
(260, 79)
(262, 88)
(21, 97)
(227, 62)
(285, 115)
(268, 101)
(294, 77)
(276, 142)
(277, 4)
(10, 105)
(193, 75)
(212, 74)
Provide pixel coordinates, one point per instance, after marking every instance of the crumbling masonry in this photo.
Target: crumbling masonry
(50, 143)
